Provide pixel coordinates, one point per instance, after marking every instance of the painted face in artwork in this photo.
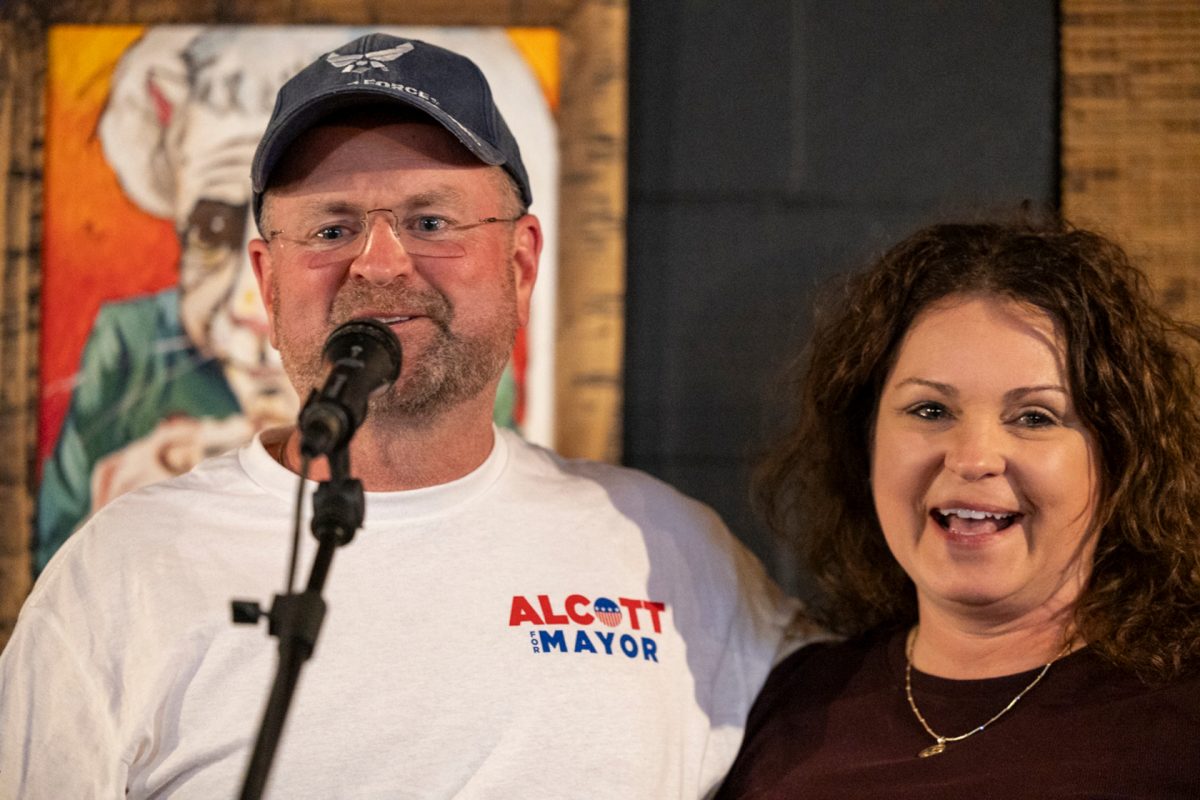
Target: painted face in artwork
(187, 108)
(222, 312)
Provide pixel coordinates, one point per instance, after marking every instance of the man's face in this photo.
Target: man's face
(455, 314)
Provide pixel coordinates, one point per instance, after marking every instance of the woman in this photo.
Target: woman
(995, 477)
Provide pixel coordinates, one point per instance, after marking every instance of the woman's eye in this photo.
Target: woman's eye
(1036, 419)
(930, 411)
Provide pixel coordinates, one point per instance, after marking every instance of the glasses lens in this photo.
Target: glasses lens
(416, 245)
(352, 237)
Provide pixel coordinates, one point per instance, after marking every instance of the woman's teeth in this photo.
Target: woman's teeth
(969, 521)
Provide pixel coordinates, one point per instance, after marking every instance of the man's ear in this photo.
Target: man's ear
(260, 260)
(527, 250)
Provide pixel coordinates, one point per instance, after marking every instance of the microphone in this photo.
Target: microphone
(364, 357)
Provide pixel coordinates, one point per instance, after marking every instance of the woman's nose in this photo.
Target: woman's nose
(976, 451)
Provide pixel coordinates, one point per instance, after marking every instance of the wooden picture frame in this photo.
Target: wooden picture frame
(592, 139)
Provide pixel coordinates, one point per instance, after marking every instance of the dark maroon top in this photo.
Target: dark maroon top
(832, 721)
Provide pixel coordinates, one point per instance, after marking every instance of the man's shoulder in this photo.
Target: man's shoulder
(550, 463)
(678, 532)
(168, 522)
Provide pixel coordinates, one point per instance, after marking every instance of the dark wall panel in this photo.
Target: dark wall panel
(775, 144)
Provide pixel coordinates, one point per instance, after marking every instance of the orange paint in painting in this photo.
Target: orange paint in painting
(97, 245)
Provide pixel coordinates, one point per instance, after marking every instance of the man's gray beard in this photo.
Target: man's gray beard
(453, 368)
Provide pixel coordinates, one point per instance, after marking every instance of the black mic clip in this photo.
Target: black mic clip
(322, 422)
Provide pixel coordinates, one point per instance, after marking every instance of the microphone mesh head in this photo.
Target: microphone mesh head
(370, 341)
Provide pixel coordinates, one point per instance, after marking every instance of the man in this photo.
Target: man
(507, 623)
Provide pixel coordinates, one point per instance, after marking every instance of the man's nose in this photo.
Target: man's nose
(383, 258)
(975, 450)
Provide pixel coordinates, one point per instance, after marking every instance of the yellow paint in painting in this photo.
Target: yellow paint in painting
(82, 58)
(540, 48)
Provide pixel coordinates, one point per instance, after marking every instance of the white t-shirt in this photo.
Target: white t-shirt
(540, 628)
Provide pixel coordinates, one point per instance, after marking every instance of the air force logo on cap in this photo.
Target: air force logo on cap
(362, 62)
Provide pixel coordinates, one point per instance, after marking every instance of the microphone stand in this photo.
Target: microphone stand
(295, 618)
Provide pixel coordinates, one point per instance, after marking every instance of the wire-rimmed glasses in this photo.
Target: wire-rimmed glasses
(341, 235)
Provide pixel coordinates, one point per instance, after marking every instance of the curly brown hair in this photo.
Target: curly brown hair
(1133, 379)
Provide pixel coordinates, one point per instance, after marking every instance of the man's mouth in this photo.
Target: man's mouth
(973, 522)
(393, 319)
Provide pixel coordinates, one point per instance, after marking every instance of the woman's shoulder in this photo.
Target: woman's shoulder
(828, 666)
(1092, 679)
(833, 649)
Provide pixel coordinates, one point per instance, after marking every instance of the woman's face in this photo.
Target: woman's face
(984, 478)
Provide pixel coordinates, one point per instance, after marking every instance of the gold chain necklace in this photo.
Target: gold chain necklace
(939, 745)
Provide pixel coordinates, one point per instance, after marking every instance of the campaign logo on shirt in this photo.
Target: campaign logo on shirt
(575, 624)
(607, 611)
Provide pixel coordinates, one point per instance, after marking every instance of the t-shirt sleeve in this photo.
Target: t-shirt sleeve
(757, 636)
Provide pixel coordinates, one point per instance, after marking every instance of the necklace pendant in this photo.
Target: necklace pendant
(932, 750)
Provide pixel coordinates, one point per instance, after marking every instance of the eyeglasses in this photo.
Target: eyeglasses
(341, 235)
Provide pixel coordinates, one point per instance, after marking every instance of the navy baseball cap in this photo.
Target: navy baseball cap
(378, 68)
